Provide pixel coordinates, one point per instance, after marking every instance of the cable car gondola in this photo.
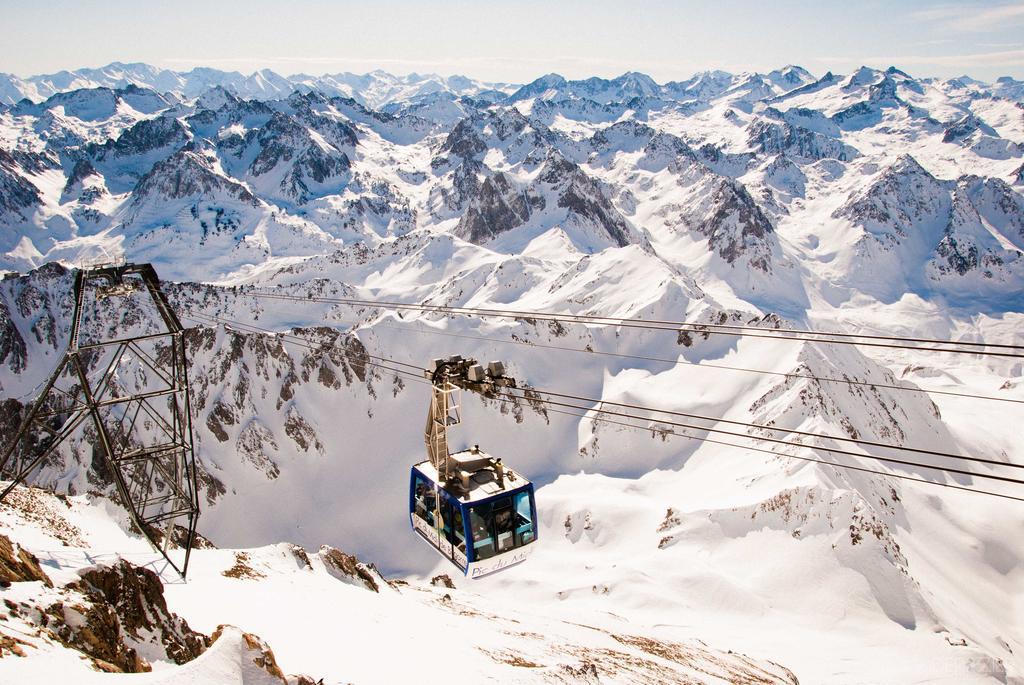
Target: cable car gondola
(471, 508)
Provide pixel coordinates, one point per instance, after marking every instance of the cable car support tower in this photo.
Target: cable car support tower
(129, 395)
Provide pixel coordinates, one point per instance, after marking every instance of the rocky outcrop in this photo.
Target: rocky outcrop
(188, 174)
(287, 147)
(582, 196)
(964, 127)
(498, 206)
(957, 253)
(117, 619)
(905, 195)
(967, 245)
(462, 142)
(736, 226)
(770, 138)
(134, 597)
(260, 654)
(860, 110)
(349, 569)
(17, 194)
(18, 565)
(256, 444)
(218, 108)
(80, 173)
(1000, 205)
(146, 136)
(310, 109)
(884, 91)
(116, 616)
(970, 226)
(13, 352)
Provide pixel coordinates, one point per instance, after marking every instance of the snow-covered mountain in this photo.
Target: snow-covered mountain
(375, 89)
(872, 201)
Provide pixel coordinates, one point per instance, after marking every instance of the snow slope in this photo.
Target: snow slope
(337, 619)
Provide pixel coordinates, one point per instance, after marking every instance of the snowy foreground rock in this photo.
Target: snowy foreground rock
(872, 202)
(339, 618)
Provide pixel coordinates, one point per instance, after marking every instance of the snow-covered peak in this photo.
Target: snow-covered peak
(701, 86)
(790, 77)
(544, 87)
(215, 98)
(864, 76)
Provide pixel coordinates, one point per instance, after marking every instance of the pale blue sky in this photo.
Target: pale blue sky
(517, 41)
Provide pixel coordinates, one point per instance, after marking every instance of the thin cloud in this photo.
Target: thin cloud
(449, 61)
(970, 17)
(1003, 58)
(524, 68)
(444, 63)
(941, 41)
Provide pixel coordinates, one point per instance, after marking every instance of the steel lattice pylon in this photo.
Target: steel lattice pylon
(131, 391)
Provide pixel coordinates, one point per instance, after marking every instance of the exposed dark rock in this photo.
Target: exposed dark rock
(337, 132)
(136, 597)
(582, 196)
(998, 203)
(959, 256)
(186, 174)
(463, 141)
(612, 138)
(219, 416)
(772, 138)
(301, 433)
(82, 170)
(19, 565)
(143, 137)
(17, 194)
(349, 568)
(883, 91)
(962, 128)
(860, 109)
(112, 615)
(442, 580)
(253, 443)
(32, 162)
(737, 227)
(12, 346)
(229, 110)
(94, 631)
(262, 656)
(497, 207)
(977, 204)
(901, 197)
(283, 140)
(242, 568)
(179, 537)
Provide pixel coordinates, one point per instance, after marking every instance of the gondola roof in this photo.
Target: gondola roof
(480, 473)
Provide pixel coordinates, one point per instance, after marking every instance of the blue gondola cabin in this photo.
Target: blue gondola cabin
(483, 519)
